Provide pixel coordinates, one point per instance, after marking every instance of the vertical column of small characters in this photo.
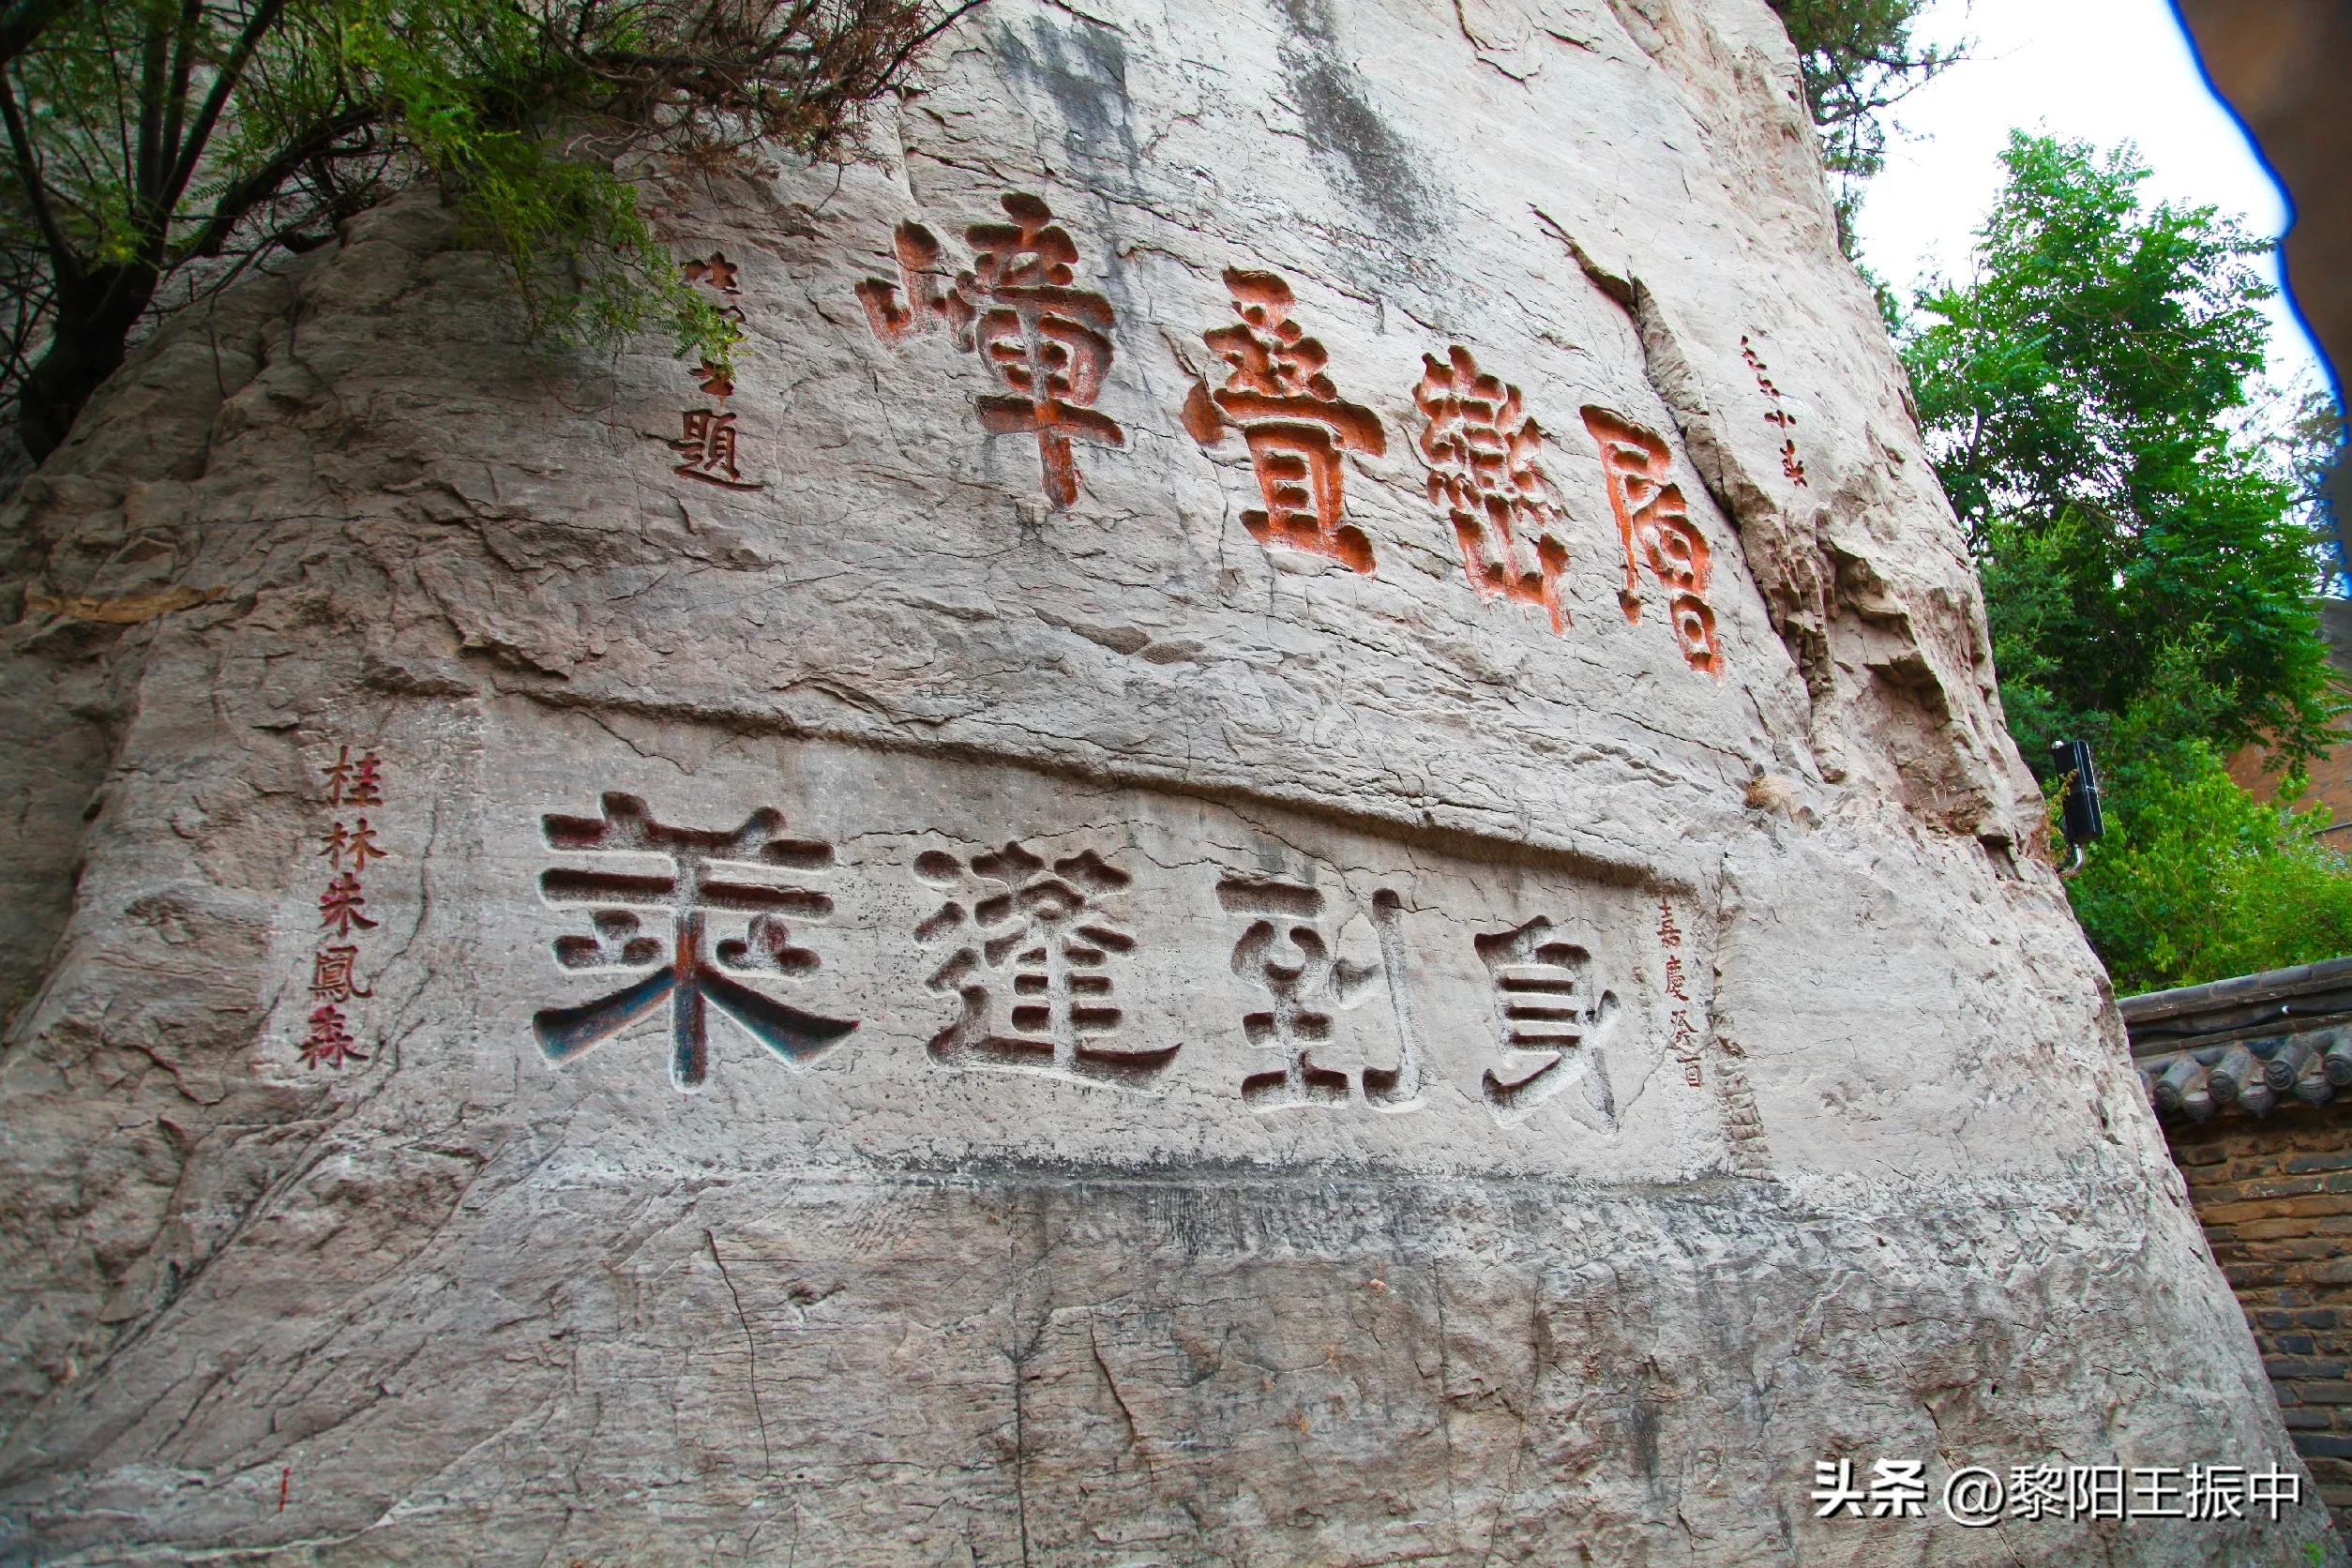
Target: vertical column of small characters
(348, 846)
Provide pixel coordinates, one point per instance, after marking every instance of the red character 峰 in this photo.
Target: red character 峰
(1046, 341)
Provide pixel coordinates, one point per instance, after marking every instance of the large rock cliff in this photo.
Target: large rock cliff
(1285, 839)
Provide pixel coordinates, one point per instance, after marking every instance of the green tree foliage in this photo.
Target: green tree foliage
(2149, 568)
(154, 147)
(2078, 398)
(1857, 59)
(2197, 880)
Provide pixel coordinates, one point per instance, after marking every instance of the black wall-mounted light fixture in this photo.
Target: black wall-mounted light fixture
(2078, 807)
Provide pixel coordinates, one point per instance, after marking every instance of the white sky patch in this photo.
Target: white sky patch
(2104, 71)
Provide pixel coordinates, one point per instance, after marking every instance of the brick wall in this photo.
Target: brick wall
(2275, 1198)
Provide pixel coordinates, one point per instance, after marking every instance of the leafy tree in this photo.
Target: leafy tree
(2197, 880)
(155, 147)
(2149, 552)
(2080, 397)
(1857, 59)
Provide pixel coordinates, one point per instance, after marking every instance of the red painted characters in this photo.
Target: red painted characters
(1655, 527)
(1482, 449)
(1290, 413)
(1790, 466)
(710, 442)
(1046, 341)
(347, 847)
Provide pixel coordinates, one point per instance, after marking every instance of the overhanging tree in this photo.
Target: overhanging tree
(2149, 562)
(2081, 398)
(1856, 60)
(156, 146)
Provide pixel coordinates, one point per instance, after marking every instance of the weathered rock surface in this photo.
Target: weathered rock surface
(1089, 817)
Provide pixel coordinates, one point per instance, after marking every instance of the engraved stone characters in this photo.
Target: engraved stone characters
(1047, 342)
(347, 847)
(1792, 466)
(709, 442)
(1288, 950)
(1038, 946)
(1678, 993)
(1547, 1011)
(1035, 965)
(1050, 346)
(748, 871)
(1482, 449)
(1655, 528)
(1278, 394)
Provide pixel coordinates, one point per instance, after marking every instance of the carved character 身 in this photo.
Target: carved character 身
(1546, 1007)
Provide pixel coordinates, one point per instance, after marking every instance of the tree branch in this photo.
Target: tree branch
(232, 69)
(258, 187)
(62, 260)
(26, 20)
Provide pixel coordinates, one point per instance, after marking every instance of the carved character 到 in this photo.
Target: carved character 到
(1289, 952)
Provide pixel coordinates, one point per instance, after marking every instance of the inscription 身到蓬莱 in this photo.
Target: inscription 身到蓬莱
(1011, 949)
(1045, 341)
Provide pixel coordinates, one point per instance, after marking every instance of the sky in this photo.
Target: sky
(2101, 71)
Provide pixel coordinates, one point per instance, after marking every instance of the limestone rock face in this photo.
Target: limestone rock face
(1285, 839)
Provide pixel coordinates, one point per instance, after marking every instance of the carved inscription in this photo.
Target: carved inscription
(347, 847)
(749, 872)
(1037, 944)
(1484, 477)
(1547, 1009)
(1289, 414)
(1037, 950)
(1290, 951)
(1047, 342)
(709, 443)
(1686, 1039)
(1655, 528)
(1789, 464)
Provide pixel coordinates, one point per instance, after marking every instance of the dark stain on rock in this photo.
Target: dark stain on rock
(1367, 161)
(1084, 71)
